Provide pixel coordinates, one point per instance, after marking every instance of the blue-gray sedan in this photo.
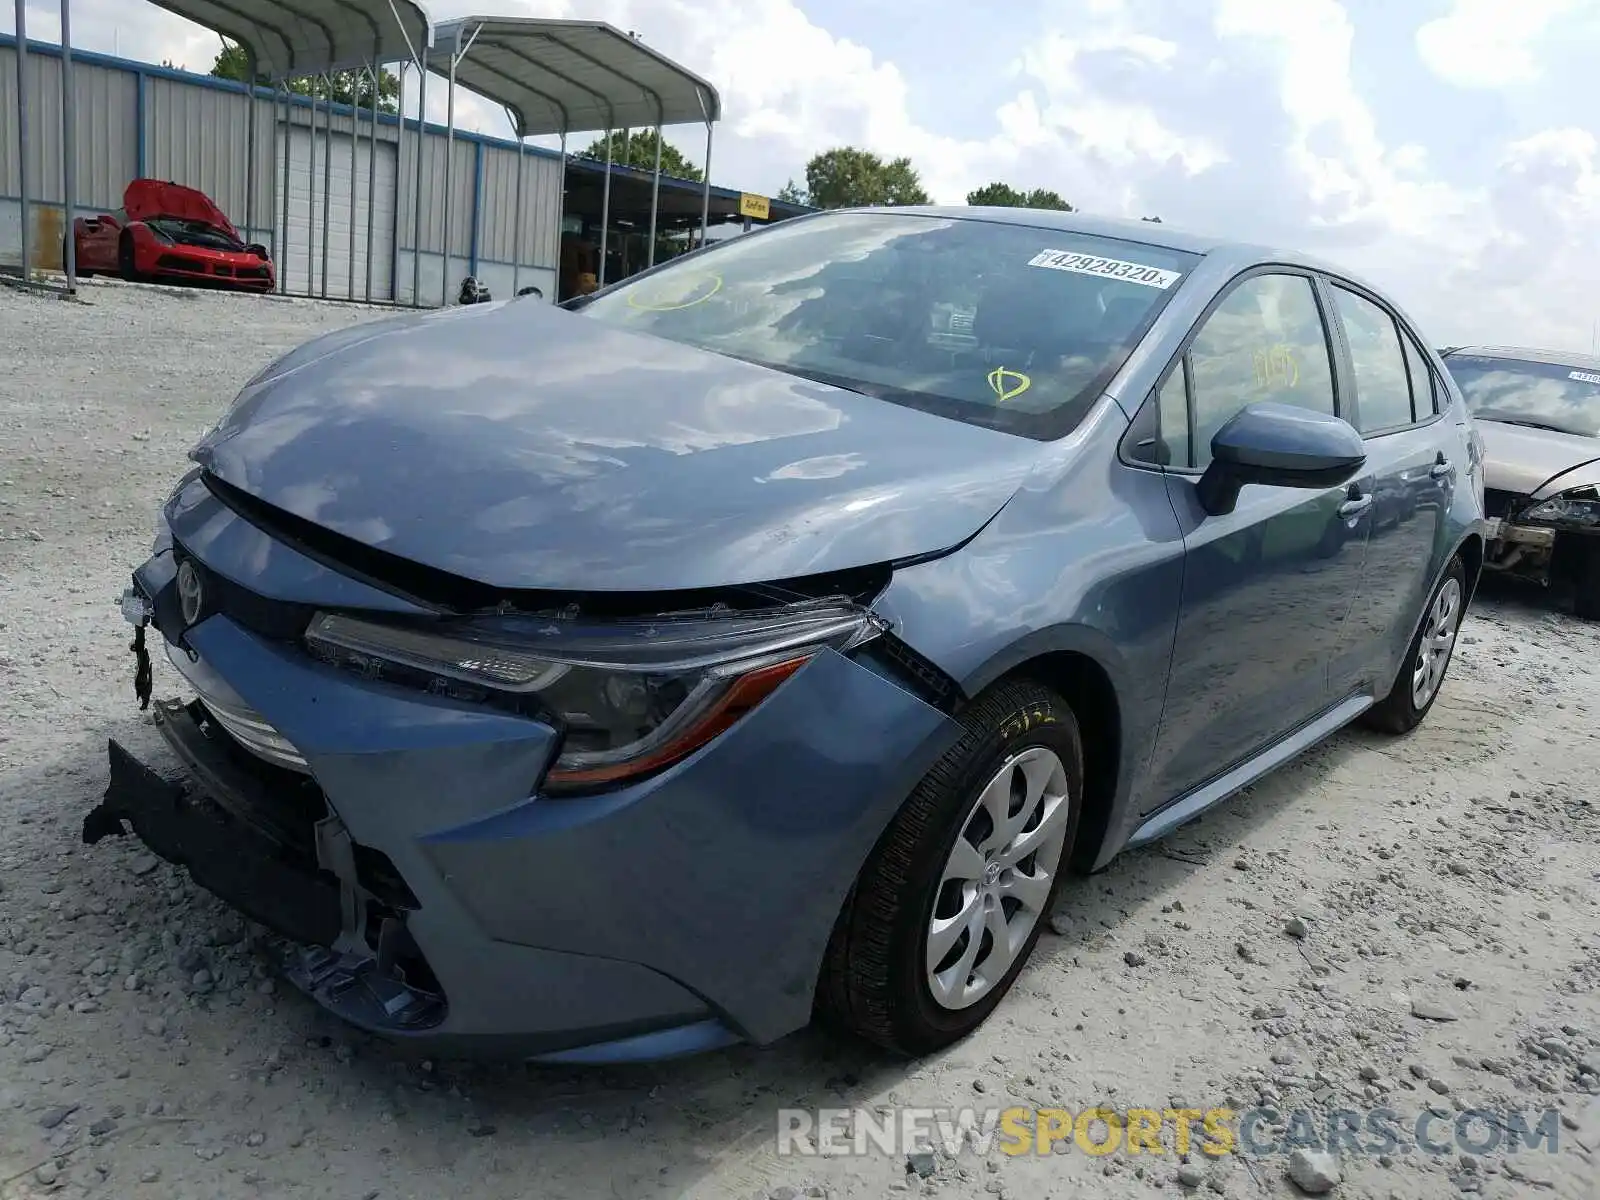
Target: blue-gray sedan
(776, 631)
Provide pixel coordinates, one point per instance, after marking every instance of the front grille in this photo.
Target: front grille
(255, 733)
(243, 724)
(1498, 505)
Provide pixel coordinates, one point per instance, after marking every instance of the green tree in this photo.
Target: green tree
(793, 193)
(1003, 195)
(640, 153)
(847, 177)
(348, 87)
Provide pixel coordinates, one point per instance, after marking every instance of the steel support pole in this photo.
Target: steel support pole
(449, 168)
(69, 148)
(561, 212)
(25, 208)
(399, 159)
(605, 213)
(372, 172)
(516, 229)
(272, 160)
(327, 172)
(311, 201)
(355, 146)
(249, 141)
(282, 249)
(627, 161)
(655, 202)
(705, 195)
(416, 207)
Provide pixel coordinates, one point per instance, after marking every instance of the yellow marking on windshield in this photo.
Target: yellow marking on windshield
(1008, 384)
(673, 302)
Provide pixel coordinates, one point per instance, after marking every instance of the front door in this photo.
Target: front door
(1268, 587)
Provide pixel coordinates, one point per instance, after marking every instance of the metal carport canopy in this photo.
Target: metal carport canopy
(293, 38)
(300, 39)
(560, 77)
(565, 77)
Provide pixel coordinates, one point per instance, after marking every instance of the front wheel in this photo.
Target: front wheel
(1587, 601)
(952, 899)
(1422, 675)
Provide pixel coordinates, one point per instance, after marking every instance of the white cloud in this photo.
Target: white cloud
(1489, 43)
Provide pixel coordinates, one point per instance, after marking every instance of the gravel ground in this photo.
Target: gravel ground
(1399, 924)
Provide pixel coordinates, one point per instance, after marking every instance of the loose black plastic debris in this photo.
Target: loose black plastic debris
(143, 676)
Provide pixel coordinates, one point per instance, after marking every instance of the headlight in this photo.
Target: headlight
(1581, 506)
(630, 696)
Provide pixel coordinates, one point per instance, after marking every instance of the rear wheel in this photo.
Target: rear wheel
(126, 266)
(1422, 674)
(81, 273)
(952, 900)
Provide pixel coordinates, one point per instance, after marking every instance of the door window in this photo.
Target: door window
(1383, 388)
(1424, 389)
(1265, 342)
(1172, 407)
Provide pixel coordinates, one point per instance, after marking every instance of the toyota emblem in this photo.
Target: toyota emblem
(191, 596)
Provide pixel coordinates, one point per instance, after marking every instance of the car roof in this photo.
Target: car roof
(1554, 358)
(1150, 233)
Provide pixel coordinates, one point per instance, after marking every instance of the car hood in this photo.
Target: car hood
(527, 447)
(1530, 462)
(147, 198)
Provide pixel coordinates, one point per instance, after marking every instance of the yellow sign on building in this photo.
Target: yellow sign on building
(758, 207)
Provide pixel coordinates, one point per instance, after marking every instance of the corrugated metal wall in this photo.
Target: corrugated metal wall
(433, 159)
(541, 195)
(197, 134)
(107, 146)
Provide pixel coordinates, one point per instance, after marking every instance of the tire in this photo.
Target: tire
(1400, 711)
(1586, 600)
(125, 261)
(876, 978)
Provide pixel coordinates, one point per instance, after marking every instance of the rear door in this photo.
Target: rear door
(1395, 402)
(1267, 587)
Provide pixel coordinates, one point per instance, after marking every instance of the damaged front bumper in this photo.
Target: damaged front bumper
(1540, 552)
(400, 841)
(1521, 549)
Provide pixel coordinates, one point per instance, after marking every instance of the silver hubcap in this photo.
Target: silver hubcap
(998, 877)
(1438, 640)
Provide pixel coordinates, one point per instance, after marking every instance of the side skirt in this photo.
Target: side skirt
(1186, 808)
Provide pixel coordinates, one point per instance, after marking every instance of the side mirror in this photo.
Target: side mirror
(1280, 446)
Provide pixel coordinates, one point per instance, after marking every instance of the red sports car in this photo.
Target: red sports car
(168, 231)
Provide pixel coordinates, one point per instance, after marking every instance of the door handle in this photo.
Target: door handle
(1355, 506)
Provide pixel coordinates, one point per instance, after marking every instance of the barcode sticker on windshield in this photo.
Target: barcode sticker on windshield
(1584, 376)
(1110, 268)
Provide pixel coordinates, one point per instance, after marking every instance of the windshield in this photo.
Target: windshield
(193, 233)
(1539, 395)
(1009, 326)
